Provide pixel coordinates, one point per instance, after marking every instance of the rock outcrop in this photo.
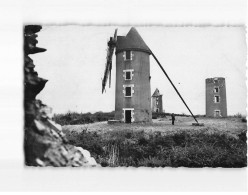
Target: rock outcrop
(44, 142)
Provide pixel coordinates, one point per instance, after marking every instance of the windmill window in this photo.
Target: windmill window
(128, 90)
(128, 74)
(216, 99)
(128, 55)
(216, 89)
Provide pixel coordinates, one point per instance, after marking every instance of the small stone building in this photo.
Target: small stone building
(216, 104)
(133, 91)
(157, 103)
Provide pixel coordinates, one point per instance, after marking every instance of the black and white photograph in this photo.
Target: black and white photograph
(132, 96)
(123, 96)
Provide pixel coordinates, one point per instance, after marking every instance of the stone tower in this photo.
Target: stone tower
(157, 103)
(216, 105)
(133, 91)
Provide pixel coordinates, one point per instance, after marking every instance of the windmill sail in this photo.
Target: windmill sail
(108, 67)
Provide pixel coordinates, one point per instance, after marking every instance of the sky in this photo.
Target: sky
(75, 59)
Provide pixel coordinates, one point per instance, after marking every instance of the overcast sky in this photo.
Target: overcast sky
(74, 64)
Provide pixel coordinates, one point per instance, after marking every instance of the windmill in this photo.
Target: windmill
(133, 92)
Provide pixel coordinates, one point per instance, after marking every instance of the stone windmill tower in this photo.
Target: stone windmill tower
(157, 101)
(216, 105)
(133, 91)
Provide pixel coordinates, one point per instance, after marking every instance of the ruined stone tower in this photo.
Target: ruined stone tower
(133, 92)
(216, 105)
(157, 103)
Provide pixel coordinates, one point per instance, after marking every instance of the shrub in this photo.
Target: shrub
(238, 115)
(156, 115)
(242, 136)
(189, 148)
(154, 162)
(73, 118)
(244, 120)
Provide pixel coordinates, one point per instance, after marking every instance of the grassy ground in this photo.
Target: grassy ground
(231, 125)
(220, 143)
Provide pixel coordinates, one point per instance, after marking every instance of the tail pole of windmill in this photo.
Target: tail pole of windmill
(174, 87)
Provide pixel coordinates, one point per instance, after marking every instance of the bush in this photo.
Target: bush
(154, 162)
(156, 115)
(73, 118)
(238, 115)
(244, 120)
(189, 148)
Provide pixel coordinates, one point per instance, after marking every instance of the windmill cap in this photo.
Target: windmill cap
(156, 93)
(132, 41)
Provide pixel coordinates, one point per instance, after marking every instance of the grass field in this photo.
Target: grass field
(231, 125)
(221, 142)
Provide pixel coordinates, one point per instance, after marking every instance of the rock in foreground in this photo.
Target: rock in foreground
(44, 142)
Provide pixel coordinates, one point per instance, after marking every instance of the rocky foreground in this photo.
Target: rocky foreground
(44, 142)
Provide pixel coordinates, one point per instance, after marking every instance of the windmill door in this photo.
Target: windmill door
(128, 116)
(217, 113)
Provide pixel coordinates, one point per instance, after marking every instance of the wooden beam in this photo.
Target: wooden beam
(173, 85)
